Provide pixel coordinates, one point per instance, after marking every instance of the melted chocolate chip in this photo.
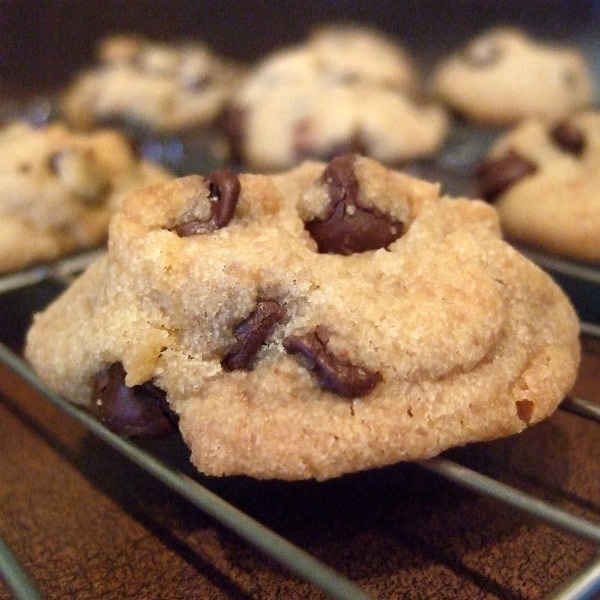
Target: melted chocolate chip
(141, 410)
(252, 333)
(224, 189)
(333, 373)
(348, 227)
(568, 137)
(495, 175)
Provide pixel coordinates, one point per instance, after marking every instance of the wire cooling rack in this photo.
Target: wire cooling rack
(579, 586)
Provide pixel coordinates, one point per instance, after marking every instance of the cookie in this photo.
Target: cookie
(544, 180)
(343, 89)
(352, 52)
(162, 88)
(503, 76)
(58, 189)
(329, 319)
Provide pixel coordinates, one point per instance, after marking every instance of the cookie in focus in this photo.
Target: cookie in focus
(334, 318)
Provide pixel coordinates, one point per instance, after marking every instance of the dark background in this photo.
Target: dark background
(43, 42)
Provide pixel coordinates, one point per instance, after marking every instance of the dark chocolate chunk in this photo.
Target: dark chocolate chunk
(524, 410)
(568, 137)
(252, 333)
(495, 175)
(333, 373)
(347, 227)
(141, 410)
(224, 189)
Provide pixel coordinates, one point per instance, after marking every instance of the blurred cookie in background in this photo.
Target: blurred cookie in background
(503, 76)
(544, 180)
(164, 95)
(59, 189)
(346, 88)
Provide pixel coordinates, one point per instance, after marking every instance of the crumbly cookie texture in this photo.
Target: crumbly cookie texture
(544, 180)
(326, 320)
(162, 87)
(58, 189)
(343, 89)
(503, 76)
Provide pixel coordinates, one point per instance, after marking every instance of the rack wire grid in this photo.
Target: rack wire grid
(580, 585)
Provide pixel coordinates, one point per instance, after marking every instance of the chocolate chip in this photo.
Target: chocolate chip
(252, 333)
(53, 162)
(568, 137)
(196, 82)
(334, 374)
(347, 227)
(224, 189)
(495, 175)
(570, 78)
(141, 410)
(524, 410)
(482, 53)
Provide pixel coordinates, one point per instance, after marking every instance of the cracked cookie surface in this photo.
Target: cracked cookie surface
(283, 358)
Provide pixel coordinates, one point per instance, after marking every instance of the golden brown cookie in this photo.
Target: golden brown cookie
(58, 189)
(544, 180)
(503, 76)
(163, 88)
(330, 319)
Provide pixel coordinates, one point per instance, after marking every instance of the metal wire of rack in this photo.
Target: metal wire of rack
(581, 585)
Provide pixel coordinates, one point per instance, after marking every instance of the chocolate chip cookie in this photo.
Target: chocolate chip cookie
(544, 180)
(343, 89)
(329, 319)
(159, 87)
(503, 76)
(58, 189)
